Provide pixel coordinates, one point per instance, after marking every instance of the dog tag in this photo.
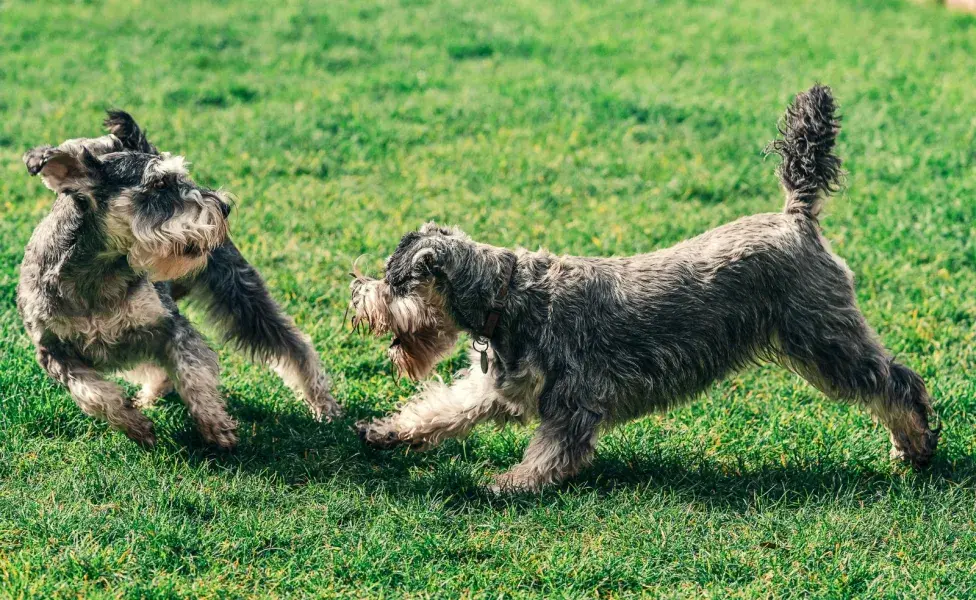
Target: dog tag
(482, 347)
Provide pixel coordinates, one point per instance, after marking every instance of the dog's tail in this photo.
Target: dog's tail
(810, 170)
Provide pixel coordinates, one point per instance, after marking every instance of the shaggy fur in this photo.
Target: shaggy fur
(129, 233)
(587, 343)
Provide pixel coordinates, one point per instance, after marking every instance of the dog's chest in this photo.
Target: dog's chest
(140, 310)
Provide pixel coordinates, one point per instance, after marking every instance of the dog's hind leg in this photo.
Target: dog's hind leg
(95, 395)
(193, 368)
(562, 445)
(237, 300)
(154, 381)
(837, 352)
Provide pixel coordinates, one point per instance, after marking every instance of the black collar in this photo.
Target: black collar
(498, 306)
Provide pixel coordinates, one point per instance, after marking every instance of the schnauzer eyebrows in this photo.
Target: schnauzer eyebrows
(168, 165)
(159, 205)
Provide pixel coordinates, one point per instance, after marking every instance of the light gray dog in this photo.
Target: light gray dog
(586, 343)
(128, 234)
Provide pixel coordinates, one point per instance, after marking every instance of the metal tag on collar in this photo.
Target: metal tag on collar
(481, 345)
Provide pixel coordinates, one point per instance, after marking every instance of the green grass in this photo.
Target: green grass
(590, 128)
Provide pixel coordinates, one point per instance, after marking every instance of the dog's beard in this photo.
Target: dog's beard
(423, 333)
(170, 261)
(178, 247)
(173, 266)
(416, 354)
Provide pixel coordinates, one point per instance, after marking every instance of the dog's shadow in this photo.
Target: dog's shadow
(292, 448)
(286, 445)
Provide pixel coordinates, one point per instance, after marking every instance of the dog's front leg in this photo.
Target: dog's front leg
(193, 368)
(236, 298)
(439, 412)
(95, 395)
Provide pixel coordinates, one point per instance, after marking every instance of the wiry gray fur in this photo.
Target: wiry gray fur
(128, 232)
(810, 170)
(586, 343)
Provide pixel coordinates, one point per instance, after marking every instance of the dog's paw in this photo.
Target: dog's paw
(144, 401)
(326, 409)
(514, 482)
(142, 432)
(222, 434)
(148, 395)
(917, 451)
(378, 433)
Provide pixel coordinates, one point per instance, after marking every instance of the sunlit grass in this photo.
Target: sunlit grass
(603, 128)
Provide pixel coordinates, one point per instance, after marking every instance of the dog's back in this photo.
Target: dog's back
(49, 249)
(682, 317)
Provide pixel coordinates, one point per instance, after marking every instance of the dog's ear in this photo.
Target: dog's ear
(121, 124)
(417, 258)
(425, 261)
(63, 170)
(436, 247)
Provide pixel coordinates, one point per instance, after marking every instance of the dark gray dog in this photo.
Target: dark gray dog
(129, 233)
(586, 343)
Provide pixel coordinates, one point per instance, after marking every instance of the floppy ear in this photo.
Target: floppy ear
(121, 124)
(62, 170)
(431, 255)
(416, 258)
(424, 261)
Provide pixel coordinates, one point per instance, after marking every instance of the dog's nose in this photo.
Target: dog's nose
(225, 209)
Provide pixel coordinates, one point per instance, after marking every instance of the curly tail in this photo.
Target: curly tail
(810, 171)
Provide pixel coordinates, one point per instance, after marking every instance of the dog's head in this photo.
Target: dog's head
(427, 257)
(438, 282)
(410, 302)
(423, 330)
(149, 208)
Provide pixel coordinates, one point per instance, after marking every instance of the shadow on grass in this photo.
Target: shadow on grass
(295, 450)
(290, 448)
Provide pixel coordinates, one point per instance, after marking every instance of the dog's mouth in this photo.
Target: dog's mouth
(192, 250)
(422, 333)
(397, 345)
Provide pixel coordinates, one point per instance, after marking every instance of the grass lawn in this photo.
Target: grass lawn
(590, 128)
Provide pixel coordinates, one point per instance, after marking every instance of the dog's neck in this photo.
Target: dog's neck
(478, 287)
(87, 275)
